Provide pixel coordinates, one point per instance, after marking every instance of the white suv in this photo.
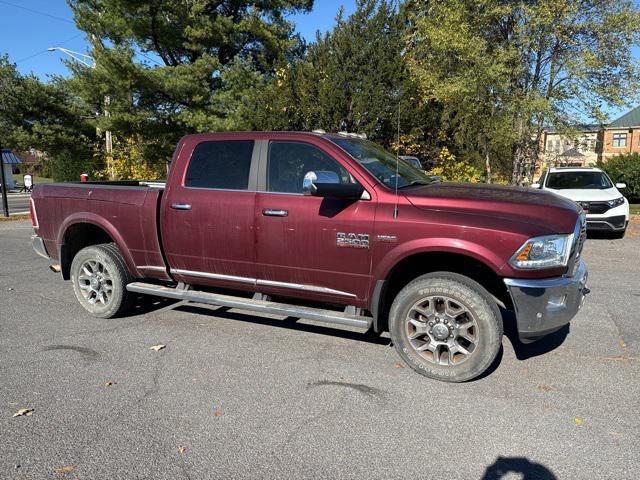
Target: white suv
(606, 208)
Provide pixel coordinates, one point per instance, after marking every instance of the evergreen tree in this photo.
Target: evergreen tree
(353, 78)
(174, 67)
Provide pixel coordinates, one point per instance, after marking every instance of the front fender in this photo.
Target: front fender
(428, 245)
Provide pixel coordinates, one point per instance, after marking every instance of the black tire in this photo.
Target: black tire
(480, 316)
(115, 280)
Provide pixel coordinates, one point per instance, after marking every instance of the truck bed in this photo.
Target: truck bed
(127, 211)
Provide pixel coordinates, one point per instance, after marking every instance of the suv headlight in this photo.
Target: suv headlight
(615, 202)
(543, 252)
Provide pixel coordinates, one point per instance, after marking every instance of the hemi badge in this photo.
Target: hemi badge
(387, 238)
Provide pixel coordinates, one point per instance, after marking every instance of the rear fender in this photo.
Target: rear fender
(101, 222)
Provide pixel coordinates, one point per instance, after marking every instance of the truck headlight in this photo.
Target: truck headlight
(615, 202)
(543, 252)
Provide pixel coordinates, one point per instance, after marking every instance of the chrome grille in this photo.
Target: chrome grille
(580, 236)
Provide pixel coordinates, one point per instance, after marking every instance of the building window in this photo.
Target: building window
(619, 140)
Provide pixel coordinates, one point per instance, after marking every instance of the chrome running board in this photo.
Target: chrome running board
(259, 306)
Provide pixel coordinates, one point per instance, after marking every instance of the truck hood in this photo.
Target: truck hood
(553, 213)
(589, 195)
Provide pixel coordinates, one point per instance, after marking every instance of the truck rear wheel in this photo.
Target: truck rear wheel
(99, 276)
(446, 326)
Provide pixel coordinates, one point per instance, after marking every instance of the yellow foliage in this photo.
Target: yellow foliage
(128, 162)
(453, 170)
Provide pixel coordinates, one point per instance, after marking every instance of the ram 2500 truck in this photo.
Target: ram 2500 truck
(330, 228)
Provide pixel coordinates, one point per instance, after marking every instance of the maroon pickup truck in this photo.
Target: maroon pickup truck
(330, 228)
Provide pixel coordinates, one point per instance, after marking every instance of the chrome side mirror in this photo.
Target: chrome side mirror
(621, 185)
(327, 184)
(535, 185)
(312, 178)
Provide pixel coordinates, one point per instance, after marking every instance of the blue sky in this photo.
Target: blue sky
(29, 27)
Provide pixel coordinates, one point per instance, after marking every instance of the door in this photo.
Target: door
(208, 216)
(304, 243)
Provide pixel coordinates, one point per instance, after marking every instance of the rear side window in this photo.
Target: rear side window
(289, 162)
(223, 164)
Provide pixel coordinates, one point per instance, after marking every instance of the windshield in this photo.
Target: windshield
(381, 164)
(578, 180)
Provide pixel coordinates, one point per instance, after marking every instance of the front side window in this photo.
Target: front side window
(578, 180)
(289, 162)
(382, 164)
(619, 140)
(223, 165)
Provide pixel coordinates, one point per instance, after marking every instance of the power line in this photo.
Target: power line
(37, 12)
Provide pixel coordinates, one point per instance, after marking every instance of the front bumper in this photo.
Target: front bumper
(546, 305)
(38, 245)
(613, 220)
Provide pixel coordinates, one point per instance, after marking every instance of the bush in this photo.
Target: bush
(625, 168)
(451, 169)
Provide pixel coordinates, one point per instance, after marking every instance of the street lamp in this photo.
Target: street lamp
(90, 62)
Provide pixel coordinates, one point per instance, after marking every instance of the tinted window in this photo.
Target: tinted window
(223, 164)
(382, 164)
(578, 180)
(289, 162)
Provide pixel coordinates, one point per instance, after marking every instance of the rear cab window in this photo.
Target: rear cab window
(220, 164)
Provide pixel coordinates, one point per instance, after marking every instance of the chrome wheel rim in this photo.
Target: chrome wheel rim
(95, 283)
(442, 330)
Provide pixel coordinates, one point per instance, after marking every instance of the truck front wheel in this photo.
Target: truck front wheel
(100, 276)
(446, 326)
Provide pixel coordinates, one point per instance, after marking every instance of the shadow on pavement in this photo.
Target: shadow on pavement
(528, 470)
(289, 323)
(524, 351)
(147, 304)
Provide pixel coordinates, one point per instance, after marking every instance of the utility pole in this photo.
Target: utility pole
(3, 182)
(90, 62)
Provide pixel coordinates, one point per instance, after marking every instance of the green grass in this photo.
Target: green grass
(17, 177)
(634, 208)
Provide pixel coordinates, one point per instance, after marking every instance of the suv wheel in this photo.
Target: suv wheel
(99, 276)
(446, 326)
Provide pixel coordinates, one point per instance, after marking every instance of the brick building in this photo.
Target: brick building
(621, 136)
(592, 143)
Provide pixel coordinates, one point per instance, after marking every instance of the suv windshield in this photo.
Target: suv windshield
(578, 180)
(381, 164)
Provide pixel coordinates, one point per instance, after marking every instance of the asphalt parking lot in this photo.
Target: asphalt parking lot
(234, 395)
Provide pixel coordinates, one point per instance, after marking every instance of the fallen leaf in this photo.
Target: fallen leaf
(578, 421)
(157, 348)
(182, 449)
(544, 388)
(217, 412)
(65, 470)
(24, 412)
(109, 384)
(397, 365)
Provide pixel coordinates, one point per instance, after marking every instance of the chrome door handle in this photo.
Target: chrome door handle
(181, 206)
(267, 212)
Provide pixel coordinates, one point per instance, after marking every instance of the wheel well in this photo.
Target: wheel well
(77, 237)
(419, 264)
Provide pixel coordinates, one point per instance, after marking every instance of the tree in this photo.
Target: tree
(352, 78)
(46, 117)
(175, 67)
(505, 70)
